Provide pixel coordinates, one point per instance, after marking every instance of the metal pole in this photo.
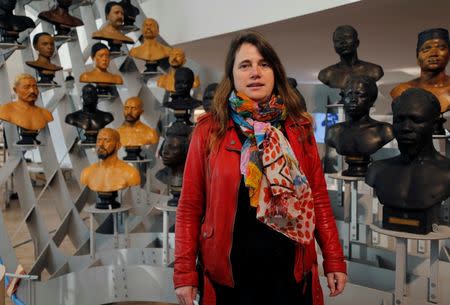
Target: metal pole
(400, 270)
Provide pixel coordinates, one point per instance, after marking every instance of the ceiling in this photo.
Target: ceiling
(387, 31)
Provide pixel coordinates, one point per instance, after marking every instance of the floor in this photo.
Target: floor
(21, 238)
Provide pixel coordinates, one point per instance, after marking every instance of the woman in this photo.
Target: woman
(253, 191)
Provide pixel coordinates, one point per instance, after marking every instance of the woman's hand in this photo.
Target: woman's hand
(186, 294)
(336, 282)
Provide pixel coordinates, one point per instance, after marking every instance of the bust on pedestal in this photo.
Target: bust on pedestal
(151, 50)
(10, 24)
(111, 30)
(23, 112)
(360, 136)
(100, 74)
(90, 119)
(346, 43)
(133, 133)
(60, 18)
(174, 152)
(177, 59)
(413, 185)
(432, 56)
(44, 44)
(110, 174)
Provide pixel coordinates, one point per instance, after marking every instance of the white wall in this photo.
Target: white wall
(182, 21)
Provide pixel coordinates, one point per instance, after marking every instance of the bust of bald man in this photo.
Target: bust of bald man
(133, 132)
(177, 59)
(150, 50)
(110, 174)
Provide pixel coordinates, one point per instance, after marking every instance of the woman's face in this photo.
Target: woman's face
(252, 74)
(101, 59)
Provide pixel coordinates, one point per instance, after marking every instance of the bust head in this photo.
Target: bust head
(44, 43)
(133, 109)
(433, 49)
(25, 87)
(89, 95)
(176, 144)
(184, 80)
(114, 14)
(100, 55)
(108, 143)
(208, 96)
(177, 58)
(415, 113)
(360, 94)
(345, 40)
(64, 3)
(150, 28)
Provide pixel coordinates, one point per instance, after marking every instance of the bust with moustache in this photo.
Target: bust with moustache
(346, 42)
(415, 182)
(23, 112)
(111, 30)
(359, 136)
(433, 55)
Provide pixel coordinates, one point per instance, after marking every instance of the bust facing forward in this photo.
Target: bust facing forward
(23, 112)
(110, 174)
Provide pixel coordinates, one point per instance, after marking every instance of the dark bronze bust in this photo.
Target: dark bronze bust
(208, 96)
(346, 42)
(130, 12)
(90, 119)
(60, 17)
(412, 185)
(301, 99)
(10, 24)
(359, 136)
(181, 101)
(174, 152)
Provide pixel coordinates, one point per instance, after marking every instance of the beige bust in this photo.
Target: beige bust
(177, 59)
(133, 132)
(110, 174)
(111, 30)
(23, 112)
(150, 50)
(433, 56)
(100, 75)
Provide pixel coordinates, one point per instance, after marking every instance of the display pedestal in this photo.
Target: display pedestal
(122, 212)
(401, 257)
(350, 204)
(165, 209)
(412, 221)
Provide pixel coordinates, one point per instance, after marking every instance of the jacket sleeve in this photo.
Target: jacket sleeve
(189, 211)
(326, 231)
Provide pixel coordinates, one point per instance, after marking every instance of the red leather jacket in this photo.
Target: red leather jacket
(208, 204)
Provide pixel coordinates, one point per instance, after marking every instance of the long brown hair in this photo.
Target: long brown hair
(219, 106)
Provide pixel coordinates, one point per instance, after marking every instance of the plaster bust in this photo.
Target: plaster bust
(433, 55)
(111, 30)
(133, 132)
(23, 112)
(177, 59)
(100, 75)
(359, 135)
(346, 42)
(110, 174)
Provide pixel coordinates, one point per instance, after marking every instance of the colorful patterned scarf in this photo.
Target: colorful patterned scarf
(277, 186)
